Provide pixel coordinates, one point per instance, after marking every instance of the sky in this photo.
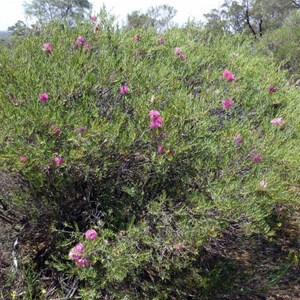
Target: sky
(12, 10)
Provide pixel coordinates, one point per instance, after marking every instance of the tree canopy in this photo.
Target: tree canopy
(48, 10)
(255, 16)
(159, 17)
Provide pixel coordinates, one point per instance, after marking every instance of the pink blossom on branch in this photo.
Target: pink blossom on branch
(93, 18)
(272, 89)
(81, 129)
(91, 234)
(278, 121)
(48, 48)
(83, 262)
(155, 119)
(238, 139)
(44, 97)
(80, 40)
(227, 103)
(55, 130)
(178, 51)
(183, 56)
(77, 252)
(228, 75)
(137, 37)
(23, 158)
(160, 149)
(124, 90)
(161, 41)
(256, 157)
(58, 160)
(88, 47)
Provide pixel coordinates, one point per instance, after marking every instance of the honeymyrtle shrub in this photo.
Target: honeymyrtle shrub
(175, 153)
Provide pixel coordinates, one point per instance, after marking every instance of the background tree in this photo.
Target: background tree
(138, 19)
(19, 29)
(254, 16)
(48, 10)
(159, 17)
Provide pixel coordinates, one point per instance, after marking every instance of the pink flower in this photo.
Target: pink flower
(55, 130)
(93, 18)
(160, 149)
(161, 41)
(137, 37)
(23, 158)
(81, 129)
(77, 252)
(58, 160)
(277, 121)
(91, 234)
(183, 56)
(178, 51)
(272, 89)
(155, 119)
(47, 47)
(44, 97)
(263, 183)
(80, 40)
(238, 139)
(256, 157)
(88, 47)
(83, 262)
(228, 75)
(227, 103)
(124, 89)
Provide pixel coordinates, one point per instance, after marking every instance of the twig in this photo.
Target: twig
(15, 261)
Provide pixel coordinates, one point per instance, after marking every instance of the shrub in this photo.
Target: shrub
(127, 138)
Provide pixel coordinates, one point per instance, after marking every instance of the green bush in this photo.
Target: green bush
(282, 46)
(162, 216)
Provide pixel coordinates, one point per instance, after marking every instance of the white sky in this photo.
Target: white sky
(12, 10)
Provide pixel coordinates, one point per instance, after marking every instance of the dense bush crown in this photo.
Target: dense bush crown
(155, 150)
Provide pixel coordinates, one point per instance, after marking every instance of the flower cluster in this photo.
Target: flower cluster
(58, 160)
(255, 157)
(161, 41)
(44, 97)
(278, 121)
(124, 90)
(55, 130)
(93, 18)
(80, 42)
(227, 103)
(228, 75)
(137, 37)
(78, 254)
(156, 119)
(272, 89)
(48, 48)
(179, 53)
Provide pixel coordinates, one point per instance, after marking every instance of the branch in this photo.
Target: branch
(260, 27)
(248, 23)
(296, 4)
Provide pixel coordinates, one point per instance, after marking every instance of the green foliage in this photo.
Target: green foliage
(281, 45)
(162, 218)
